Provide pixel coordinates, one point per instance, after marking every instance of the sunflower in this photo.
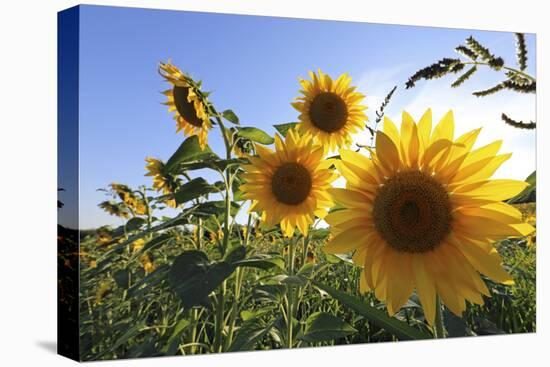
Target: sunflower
(147, 263)
(330, 110)
(132, 202)
(161, 181)
(114, 209)
(289, 185)
(187, 102)
(104, 237)
(423, 213)
(138, 244)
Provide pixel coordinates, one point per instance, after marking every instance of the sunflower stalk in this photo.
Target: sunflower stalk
(220, 306)
(290, 294)
(439, 326)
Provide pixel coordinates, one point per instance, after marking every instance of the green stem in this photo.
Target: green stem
(439, 328)
(290, 294)
(199, 235)
(228, 148)
(239, 273)
(248, 225)
(220, 305)
(220, 320)
(146, 201)
(522, 73)
(194, 321)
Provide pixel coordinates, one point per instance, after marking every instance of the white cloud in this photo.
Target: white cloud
(470, 113)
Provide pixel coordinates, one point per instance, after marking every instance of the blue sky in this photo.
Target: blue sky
(252, 65)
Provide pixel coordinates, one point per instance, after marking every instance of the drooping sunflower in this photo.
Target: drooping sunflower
(161, 181)
(424, 213)
(187, 102)
(129, 198)
(330, 110)
(114, 209)
(289, 185)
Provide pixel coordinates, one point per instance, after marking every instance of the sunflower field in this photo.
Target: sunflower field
(408, 238)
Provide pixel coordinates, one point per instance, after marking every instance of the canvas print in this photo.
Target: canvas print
(241, 183)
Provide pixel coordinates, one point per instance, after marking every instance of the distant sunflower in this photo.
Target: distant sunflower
(161, 181)
(104, 238)
(114, 209)
(129, 198)
(423, 213)
(147, 263)
(330, 111)
(289, 185)
(187, 102)
(138, 244)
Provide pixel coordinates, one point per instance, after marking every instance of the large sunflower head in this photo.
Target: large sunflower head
(330, 110)
(162, 182)
(289, 185)
(423, 212)
(187, 102)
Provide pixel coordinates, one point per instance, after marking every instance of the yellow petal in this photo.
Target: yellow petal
(425, 129)
(482, 169)
(486, 263)
(350, 198)
(445, 128)
(391, 130)
(409, 140)
(386, 151)
(348, 241)
(497, 190)
(399, 280)
(436, 149)
(425, 287)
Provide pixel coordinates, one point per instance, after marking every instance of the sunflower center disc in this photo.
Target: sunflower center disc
(412, 212)
(185, 108)
(328, 112)
(291, 183)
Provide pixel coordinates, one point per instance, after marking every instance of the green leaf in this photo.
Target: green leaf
(255, 134)
(251, 314)
(192, 276)
(217, 164)
(189, 150)
(193, 189)
(216, 207)
(249, 334)
(399, 328)
(145, 284)
(230, 116)
(171, 346)
(455, 325)
(235, 255)
(322, 326)
(319, 234)
(156, 242)
(129, 334)
(529, 193)
(283, 128)
(269, 292)
(134, 224)
(122, 278)
(262, 261)
(294, 280)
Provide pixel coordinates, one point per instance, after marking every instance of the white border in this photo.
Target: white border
(28, 179)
